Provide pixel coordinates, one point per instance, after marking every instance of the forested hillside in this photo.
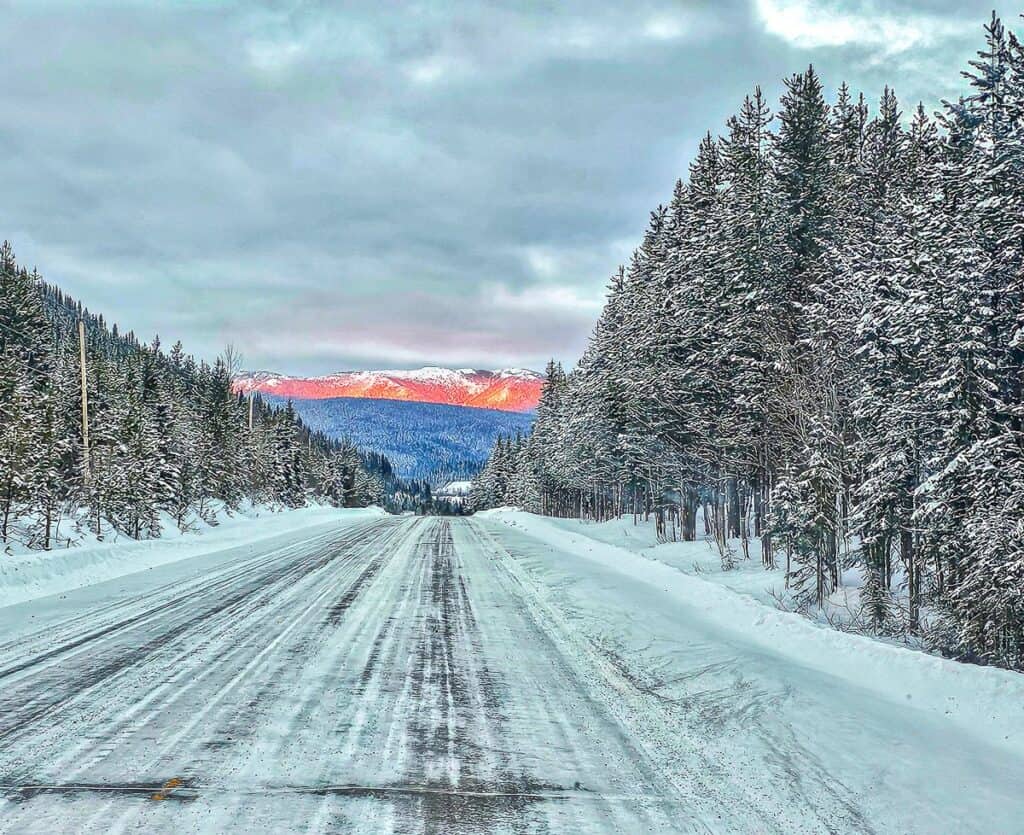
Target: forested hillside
(820, 342)
(430, 442)
(168, 439)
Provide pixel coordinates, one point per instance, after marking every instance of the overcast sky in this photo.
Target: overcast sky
(335, 185)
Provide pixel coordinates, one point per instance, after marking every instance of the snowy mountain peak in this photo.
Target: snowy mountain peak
(506, 389)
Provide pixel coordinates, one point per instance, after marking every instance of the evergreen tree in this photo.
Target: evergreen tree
(820, 341)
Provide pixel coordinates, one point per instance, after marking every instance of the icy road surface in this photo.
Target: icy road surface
(382, 677)
(446, 676)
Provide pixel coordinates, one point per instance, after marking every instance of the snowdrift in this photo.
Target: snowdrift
(984, 701)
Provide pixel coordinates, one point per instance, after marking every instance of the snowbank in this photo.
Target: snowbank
(986, 702)
(36, 574)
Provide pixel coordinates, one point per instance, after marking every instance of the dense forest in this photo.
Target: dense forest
(169, 441)
(818, 349)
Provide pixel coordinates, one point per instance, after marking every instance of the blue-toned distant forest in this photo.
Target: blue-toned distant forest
(423, 441)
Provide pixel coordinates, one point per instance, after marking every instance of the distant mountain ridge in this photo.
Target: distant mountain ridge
(507, 390)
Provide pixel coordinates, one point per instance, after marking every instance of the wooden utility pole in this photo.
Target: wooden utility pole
(86, 470)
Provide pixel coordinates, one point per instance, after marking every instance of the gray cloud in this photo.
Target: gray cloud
(329, 185)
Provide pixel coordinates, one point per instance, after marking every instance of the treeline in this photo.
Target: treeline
(820, 343)
(169, 439)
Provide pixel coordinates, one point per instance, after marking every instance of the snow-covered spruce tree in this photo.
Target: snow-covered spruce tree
(490, 486)
(549, 438)
(808, 351)
(896, 273)
(751, 254)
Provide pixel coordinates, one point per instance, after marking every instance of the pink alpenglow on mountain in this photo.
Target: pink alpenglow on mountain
(509, 390)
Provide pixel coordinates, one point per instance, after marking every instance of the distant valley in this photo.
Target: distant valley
(433, 442)
(434, 424)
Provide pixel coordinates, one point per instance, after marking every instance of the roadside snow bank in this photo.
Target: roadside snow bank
(701, 558)
(41, 573)
(985, 701)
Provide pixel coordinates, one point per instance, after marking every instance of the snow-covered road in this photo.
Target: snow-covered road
(385, 674)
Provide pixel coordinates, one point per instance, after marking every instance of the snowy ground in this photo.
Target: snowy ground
(792, 726)
(26, 575)
(747, 576)
(493, 674)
